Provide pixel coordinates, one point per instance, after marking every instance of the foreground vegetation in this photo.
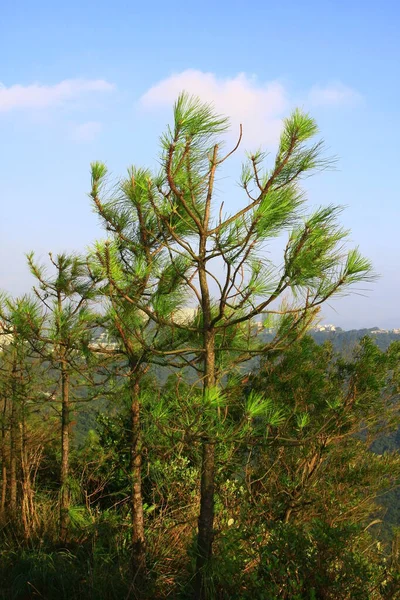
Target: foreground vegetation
(221, 463)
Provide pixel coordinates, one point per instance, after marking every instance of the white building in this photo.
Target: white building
(5, 338)
(327, 327)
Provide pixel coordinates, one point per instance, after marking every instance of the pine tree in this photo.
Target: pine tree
(59, 327)
(131, 268)
(22, 380)
(221, 260)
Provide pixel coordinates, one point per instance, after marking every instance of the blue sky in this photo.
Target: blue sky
(95, 80)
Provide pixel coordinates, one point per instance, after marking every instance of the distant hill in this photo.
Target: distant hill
(344, 341)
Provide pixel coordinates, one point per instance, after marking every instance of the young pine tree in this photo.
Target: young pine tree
(22, 385)
(221, 261)
(59, 327)
(132, 270)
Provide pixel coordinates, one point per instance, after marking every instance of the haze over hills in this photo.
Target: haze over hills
(344, 340)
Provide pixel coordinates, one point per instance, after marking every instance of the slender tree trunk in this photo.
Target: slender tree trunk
(33, 469)
(65, 430)
(138, 537)
(25, 506)
(13, 446)
(3, 461)
(206, 517)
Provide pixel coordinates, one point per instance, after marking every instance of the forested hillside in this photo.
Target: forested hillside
(344, 341)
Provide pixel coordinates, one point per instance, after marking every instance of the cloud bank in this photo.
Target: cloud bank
(37, 96)
(259, 106)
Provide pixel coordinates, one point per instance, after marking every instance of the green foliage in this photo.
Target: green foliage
(313, 562)
(270, 433)
(280, 532)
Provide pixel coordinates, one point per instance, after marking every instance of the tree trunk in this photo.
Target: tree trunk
(138, 537)
(13, 457)
(206, 517)
(65, 429)
(27, 505)
(3, 461)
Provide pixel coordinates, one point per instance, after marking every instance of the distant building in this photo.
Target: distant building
(327, 327)
(380, 331)
(5, 338)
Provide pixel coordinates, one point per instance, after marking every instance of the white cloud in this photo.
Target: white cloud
(258, 106)
(85, 132)
(333, 94)
(37, 96)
